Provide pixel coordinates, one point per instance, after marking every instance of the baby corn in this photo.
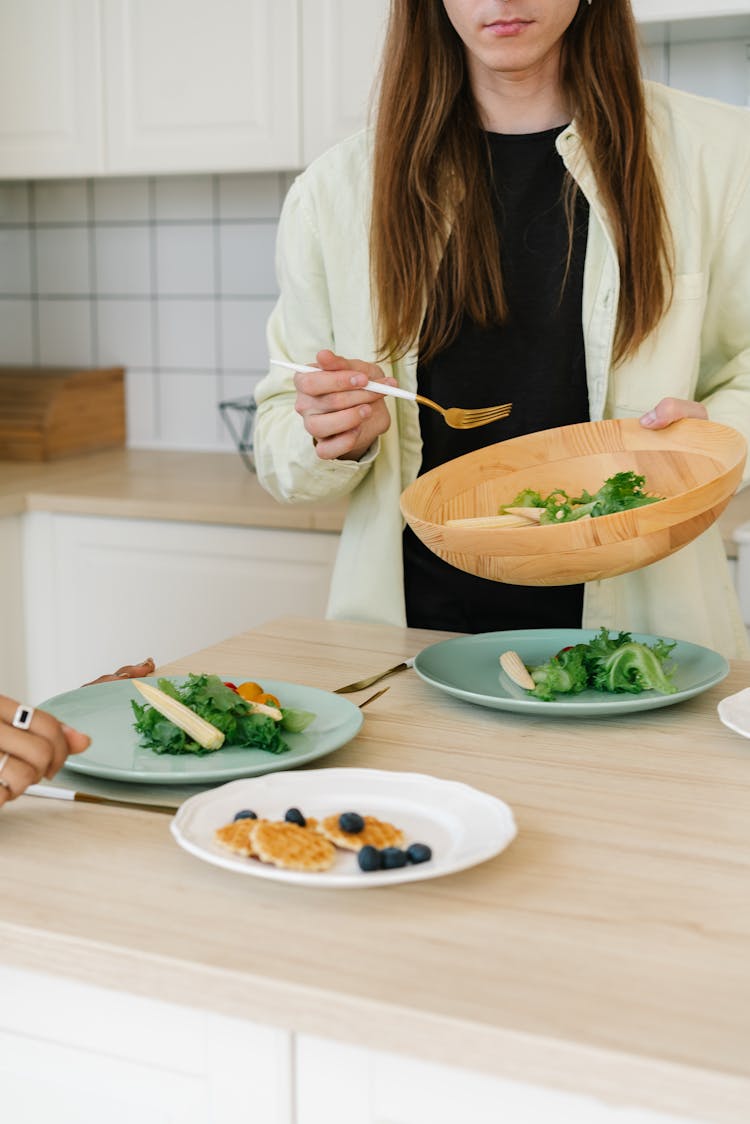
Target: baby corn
(263, 708)
(204, 733)
(479, 522)
(515, 669)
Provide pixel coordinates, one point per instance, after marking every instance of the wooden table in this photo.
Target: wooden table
(605, 952)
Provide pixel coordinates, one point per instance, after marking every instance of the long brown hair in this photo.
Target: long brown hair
(434, 254)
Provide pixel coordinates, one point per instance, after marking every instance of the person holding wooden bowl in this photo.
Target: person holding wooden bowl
(528, 221)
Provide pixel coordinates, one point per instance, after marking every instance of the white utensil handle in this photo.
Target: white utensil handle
(50, 791)
(375, 387)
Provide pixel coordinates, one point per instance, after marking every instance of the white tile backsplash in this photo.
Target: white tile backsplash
(247, 259)
(185, 260)
(243, 334)
(121, 200)
(251, 197)
(123, 260)
(126, 272)
(719, 69)
(141, 408)
(61, 201)
(184, 197)
(15, 261)
(125, 333)
(14, 202)
(16, 332)
(63, 260)
(187, 334)
(187, 409)
(65, 338)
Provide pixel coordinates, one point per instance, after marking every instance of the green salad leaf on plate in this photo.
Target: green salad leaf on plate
(210, 698)
(606, 663)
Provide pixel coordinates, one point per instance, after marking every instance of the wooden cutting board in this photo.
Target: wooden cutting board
(52, 412)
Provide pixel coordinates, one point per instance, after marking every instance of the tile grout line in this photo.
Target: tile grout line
(156, 396)
(36, 346)
(93, 303)
(218, 306)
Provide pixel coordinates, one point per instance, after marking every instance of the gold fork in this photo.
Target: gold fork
(454, 416)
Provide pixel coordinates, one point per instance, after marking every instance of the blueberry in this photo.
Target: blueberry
(293, 815)
(392, 857)
(369, 858)
(245, 814)
(418, 853)
(351, 822)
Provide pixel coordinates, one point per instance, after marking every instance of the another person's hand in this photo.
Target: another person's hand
(33, 746)
(671, 410)
(129, 671)
(341, 417)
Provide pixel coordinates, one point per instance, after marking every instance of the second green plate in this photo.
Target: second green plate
(468, 667)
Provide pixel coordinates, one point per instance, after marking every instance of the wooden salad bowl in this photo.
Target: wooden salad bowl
(695, 465)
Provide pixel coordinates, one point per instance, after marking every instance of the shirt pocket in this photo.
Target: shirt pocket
(667, 363)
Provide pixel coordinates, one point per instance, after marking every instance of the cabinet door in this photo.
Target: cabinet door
(201, 85)
(73, 1053)
(341, 44)
(331, 1077)
(50, 83)
(102, 592)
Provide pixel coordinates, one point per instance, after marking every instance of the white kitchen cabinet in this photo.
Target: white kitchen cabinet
(341, 45)
(78, 1054)
(330, 1078)
(50, 88)
(101, 592)
(200, 85)
(121, 87)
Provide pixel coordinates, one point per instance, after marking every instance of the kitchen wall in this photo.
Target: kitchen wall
(173, 277)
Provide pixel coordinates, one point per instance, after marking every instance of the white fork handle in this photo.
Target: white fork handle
(376, 387)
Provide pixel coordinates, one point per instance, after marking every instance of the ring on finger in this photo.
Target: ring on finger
(22, 718)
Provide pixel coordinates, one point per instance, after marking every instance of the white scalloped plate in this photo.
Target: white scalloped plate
(734, 712)
(462, 825)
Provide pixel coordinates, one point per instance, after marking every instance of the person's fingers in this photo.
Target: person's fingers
(42, 745)
(339, 446)
(128, 671)
(77, 741)
(670, 410)
(321, 426)
(136, 670)
(330, 361)
(17, 775)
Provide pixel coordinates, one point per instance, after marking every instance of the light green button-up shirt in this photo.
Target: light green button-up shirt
(701, 350)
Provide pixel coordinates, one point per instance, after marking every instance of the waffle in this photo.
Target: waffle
(292, 847)
(376, 833)
(238, 837)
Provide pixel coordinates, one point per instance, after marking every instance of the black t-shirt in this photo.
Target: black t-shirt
(534, 360)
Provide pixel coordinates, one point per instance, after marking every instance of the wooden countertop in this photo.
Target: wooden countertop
(143, 484)
(606, 951)
(196, 487)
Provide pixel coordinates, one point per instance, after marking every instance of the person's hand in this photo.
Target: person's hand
(671, 410)
(29, 755)
(341, 417)
(129, 671)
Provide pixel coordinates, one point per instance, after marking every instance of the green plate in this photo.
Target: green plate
(103, 711)
(468, 667)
